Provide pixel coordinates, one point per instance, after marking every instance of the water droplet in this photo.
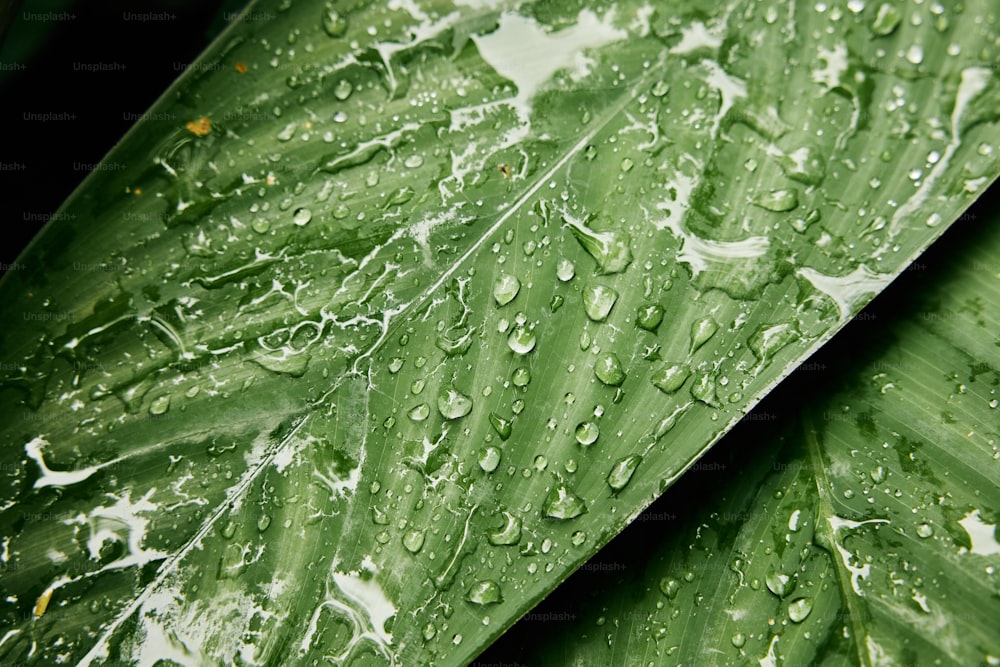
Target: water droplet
(334, 24)
(260, 225)
(621, 472)
(886, 20)
(611, 249)
(485, 592)
(395, 364)
(505, 289)
(878, 474)
(649, 317)
(739, 640)
(414, 161)
(263, 521)
(565, 270)
(768, 339)
(302, 216)
(590, 152)
(509, 533)
(343, 90)
(489, 459)
(454, 341)
(521, 340)
(517, 407)
(915, 54)
(556, 303)
(429, 632)
(587, 433)
(670, 377)
(413, 540)
(702, 330)
(500, 425)
(627, 165)
(521, 377)
(778, 201)
(229, 529)
(609, 370)
(660, 88)
(925, 530)
(341, 211)
(419, 413)
(703, 389)
(453, 404)
(400, 196)
(670, 587)
(561, 503)
(598, 300)
(160, 405)
(799, 609)
(779, 583)
(578, 538)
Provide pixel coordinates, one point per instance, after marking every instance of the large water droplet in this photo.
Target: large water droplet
(670, 587)
(505, 289)
(455, 341)
(778, 201)
(739, 640)
(509, 533)
(649, 317)
(413, 540)
(334, 24)
(302, 216)
(611, 250)
(598, 300)
(419, 413)
(343, 89)
(565, 270)
(925, 530)
(500, 425)
(609, 370)
(886, 21)
(561, 503)
(587, 433)
(670, 377)
(160, 405)
(779, 583)
(400, 196)
(799, 609)
(768, 339)
(485, 592)
(621, 472)
(702, 330)
(521, 340)
(703, 389)
(453, 404)
(489, 459)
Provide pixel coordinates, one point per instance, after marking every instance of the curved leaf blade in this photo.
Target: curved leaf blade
(865, 535)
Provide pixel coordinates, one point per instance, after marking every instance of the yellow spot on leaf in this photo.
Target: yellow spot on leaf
(504, 169)
(43, 603)
(241, 67)
(201, 127)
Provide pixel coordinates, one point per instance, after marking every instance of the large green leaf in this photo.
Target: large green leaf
(867, 535)
(386, 318)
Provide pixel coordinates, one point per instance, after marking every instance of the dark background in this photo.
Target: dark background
(149, 42)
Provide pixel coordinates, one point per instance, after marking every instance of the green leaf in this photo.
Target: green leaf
(360, 353)
(864, 534)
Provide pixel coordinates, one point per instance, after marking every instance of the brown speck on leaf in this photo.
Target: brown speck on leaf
(200, 127)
